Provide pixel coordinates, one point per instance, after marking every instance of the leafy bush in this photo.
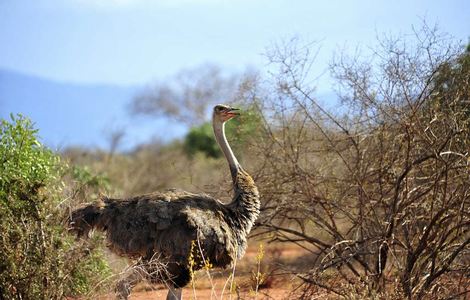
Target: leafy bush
(201, 139)
(38, 259)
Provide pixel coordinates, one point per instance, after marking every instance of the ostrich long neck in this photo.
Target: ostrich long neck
(219, 132)
(245, 203)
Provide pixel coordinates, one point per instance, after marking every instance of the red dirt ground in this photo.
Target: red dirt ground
(276, 287)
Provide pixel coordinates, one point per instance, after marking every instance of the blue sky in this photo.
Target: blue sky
(130, 43)
(135, 41)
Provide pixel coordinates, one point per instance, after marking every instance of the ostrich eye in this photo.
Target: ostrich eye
(219, 108)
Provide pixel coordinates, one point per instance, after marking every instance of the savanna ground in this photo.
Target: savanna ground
(272, 282)
(278, 266)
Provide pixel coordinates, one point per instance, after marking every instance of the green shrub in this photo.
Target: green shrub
(238, 131)
(201, 139)
(38, 260)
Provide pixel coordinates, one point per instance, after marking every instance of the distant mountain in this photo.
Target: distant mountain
(69, 114)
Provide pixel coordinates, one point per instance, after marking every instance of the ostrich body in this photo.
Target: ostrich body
(171, 226)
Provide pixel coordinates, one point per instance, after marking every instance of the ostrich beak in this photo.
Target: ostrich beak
(232, 112)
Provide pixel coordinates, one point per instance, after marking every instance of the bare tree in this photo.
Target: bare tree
(379, 189)
(114, 137)
(188, 96)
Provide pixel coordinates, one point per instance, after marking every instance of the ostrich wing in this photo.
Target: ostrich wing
(168, 224)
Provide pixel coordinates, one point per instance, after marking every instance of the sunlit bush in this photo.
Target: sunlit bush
(38, 259)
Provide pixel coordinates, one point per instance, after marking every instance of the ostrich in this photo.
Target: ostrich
(171, 225)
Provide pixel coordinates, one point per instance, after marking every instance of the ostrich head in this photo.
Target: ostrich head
(222, 113)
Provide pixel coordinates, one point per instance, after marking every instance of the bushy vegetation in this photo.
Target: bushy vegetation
(38, 260)
(201, 139)
(378, 189)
